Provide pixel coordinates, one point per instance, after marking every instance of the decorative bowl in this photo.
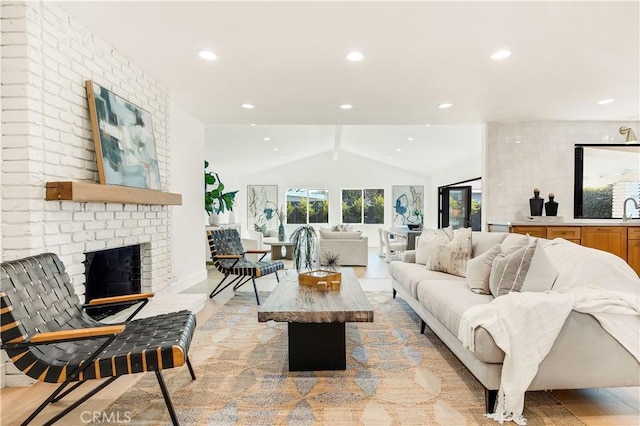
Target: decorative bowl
(414, 226)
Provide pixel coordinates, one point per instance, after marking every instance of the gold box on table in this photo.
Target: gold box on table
(321, 280)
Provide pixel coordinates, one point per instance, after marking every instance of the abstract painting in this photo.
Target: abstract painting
(123, 137)
(262, 207)
(408, 204)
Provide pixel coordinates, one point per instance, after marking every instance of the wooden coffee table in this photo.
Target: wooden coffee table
(317, 320)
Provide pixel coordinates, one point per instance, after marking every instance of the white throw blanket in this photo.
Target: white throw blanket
(525, 326)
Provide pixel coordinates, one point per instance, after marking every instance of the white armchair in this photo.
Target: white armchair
(261, 239)
(394, 243)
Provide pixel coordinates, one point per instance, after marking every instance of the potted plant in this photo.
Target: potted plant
(455, 207)
(415, 218)
(304, 247)
(216, 201)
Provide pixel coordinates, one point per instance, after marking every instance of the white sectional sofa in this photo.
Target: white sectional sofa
(350, 245)
(584, 355)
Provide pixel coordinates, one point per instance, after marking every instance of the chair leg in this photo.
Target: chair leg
(394, 293)
(193, 375)
(255, 289)
(423, 325)
(277, 277)
(167, 398)
(70, 408)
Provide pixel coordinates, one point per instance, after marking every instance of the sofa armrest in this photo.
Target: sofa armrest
(408, 256)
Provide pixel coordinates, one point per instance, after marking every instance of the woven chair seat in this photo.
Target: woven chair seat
(253, 268)
(147, 344)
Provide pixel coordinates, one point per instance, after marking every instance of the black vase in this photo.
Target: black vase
(536, 203)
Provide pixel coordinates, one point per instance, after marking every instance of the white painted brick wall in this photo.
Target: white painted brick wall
(46, 136)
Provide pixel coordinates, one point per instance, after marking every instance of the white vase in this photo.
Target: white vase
(214, 219)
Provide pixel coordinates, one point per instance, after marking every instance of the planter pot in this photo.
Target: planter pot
(214, 219)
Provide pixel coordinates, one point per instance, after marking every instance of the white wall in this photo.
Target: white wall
(187, 140)
(525, 155)
(322, 172)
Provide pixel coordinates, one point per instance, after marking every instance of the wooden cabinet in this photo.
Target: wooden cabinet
(607, 238)
(623, 241)
(534, 231)
(633, 248)
(570, 233)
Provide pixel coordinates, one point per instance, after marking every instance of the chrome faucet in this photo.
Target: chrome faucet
(624, 208)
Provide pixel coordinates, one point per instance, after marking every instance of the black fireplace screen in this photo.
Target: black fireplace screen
(113, 272)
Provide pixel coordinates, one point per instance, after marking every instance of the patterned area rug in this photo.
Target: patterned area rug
(394, 375)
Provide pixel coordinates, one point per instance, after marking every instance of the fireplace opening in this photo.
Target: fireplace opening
(113, 272)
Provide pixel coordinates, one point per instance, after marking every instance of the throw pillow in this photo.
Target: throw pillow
(542, 274)
(343, 227)
(261, 229)
(479, 270)
(509, 270)
(427, 242)
(452, 256)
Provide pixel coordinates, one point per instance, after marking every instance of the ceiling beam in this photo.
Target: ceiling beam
(337, 136)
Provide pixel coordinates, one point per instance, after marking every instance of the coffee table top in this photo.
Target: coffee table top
(278, 243)
(291, 302)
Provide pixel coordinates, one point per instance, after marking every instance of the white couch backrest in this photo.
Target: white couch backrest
(483, 241)
(584, 266)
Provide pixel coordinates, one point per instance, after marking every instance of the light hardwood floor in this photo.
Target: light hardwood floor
(607, 406)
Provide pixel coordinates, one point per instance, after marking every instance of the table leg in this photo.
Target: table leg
(317, 346)
(276, 252)
(288, 252)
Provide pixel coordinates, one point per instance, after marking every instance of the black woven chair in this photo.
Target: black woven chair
(229, 258)
(48, 335)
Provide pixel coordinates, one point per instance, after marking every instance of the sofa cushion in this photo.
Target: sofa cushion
(483, 241)
(340, 235)
(447, 301)
(542, 273)
(452, 256)
(514, 240)
(410, 274)
(479, 270)
(509, 269)
(343, 227)
(427, 242)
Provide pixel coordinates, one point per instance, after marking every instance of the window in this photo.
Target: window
(307, 206)
(363, 206)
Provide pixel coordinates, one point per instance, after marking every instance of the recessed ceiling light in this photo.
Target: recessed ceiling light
(398, 149)
(445, 106)
(275, 149)
(355, 56)
(248, 106)
(410, 139)
(267, 138)
(253, 124)
(428, 125)
(500, 54)
(208, 55)
(389, 157)
(605, 101)
(346, 106)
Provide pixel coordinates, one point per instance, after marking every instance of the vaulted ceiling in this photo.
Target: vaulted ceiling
(288, 59)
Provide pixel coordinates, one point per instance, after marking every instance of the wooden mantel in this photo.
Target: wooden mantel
(95, 193)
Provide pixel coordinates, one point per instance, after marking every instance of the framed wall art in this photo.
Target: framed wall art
(407, 205)
(123, 137)
(262, 207)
